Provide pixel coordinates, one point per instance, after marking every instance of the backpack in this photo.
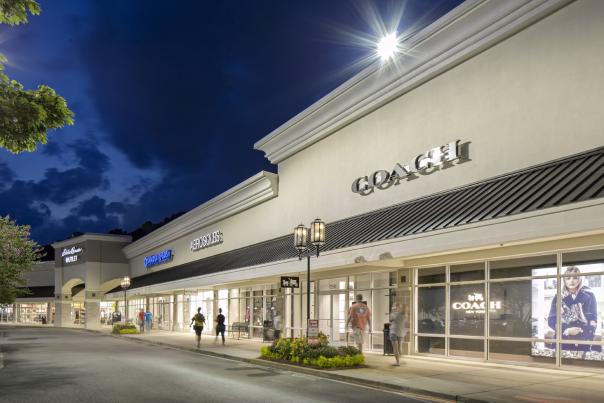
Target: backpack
(199, 319)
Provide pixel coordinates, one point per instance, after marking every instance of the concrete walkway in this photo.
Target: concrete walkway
(462, 381)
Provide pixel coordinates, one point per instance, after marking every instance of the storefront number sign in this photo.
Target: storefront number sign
(158, 258)
(290, 282)
(71, 255)
(422, 164)
(206, 240)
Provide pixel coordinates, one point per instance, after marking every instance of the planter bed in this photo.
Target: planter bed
(318, 354)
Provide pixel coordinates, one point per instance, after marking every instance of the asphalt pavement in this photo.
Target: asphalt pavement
(65, 365)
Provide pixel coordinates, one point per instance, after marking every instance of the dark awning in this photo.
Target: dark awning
(40, 292)
(564, 181)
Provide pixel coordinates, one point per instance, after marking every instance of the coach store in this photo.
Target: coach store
(463, 179)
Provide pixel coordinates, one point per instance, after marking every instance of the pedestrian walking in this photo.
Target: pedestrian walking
(220, 328)
(198, 321)
(141, 321)
(359, 318)
(148, 320)
(398, 330)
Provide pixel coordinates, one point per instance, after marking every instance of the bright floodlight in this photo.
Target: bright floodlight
(387, 46)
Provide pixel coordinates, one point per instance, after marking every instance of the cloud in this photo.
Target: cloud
(26, 200)
(93, 207)
(7, 175)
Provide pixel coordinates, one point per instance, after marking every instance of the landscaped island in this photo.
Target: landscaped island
(318, 354)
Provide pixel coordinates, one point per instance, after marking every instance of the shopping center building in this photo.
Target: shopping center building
(463, 179)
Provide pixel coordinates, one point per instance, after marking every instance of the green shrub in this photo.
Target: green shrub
(348, 350)
(127, 328)
(319, 354)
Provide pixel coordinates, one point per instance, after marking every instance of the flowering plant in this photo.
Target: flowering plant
(319, 354)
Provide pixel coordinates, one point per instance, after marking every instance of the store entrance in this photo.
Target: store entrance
(332, 316)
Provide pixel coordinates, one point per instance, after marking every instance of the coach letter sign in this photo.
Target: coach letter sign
(383, 179)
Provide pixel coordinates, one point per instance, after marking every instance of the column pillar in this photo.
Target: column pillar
(92, 303)
(175, 313)
(63, 310)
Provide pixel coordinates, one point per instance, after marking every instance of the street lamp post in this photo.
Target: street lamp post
(125, 283)
(317, 238)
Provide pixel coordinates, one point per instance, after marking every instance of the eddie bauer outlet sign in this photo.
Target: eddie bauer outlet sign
(421, 164)
(70, 255)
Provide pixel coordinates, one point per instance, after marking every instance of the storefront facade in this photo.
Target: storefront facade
(462, 180)
(37, 305)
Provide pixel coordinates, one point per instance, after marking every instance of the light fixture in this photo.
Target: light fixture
(387, 46)
(125, 283)
(300, 238)
(317, 233)
(317, 239)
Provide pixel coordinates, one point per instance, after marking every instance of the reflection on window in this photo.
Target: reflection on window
(431, 345)
(431, 310)
(466, 347)
(467, 272)
(512, 312)
(525, 351)
(524, 267)
(431, 275)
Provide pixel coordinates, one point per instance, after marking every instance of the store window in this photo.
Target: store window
(524, 267)
(431, 310)
(582, 308)
(467, 272)
(468, 305)
(432, 275)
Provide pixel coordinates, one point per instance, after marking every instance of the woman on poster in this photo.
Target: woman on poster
(579, 311)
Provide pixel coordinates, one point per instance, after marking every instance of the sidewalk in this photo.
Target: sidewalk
(464, 381)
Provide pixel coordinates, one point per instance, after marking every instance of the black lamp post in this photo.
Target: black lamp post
(317, 238)
(125, 283)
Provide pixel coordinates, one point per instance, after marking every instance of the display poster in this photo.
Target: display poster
(581, 314)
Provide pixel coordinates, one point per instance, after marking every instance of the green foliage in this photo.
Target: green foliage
(128, 328)
(14, 12)
(18, 254)
(319, 354)
(26, 115)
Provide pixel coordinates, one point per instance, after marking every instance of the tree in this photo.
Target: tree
(18, 253)
(26, 115)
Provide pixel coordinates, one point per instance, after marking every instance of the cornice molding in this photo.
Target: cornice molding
(259, 188)
(92, 237)
(465, 31)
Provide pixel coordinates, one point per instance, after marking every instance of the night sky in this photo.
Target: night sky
(169, 97)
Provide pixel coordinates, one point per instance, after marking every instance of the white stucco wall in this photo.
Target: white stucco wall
(532, 98)
(529, 99)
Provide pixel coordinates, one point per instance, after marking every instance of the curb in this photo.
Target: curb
(307, 371)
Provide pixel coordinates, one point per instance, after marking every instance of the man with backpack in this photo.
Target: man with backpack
(220, 327)
(198, 321)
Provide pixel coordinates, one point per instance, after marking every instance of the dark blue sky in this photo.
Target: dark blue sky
(169, 97)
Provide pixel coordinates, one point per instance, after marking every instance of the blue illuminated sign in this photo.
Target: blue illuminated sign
(158, 258)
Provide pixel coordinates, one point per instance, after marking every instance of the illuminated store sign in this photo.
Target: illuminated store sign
(475, 304)
(71, 255)
(205, 241)
(158, 258)
(383, 179)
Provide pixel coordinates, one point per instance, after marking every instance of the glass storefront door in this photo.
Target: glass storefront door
(332, 316)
